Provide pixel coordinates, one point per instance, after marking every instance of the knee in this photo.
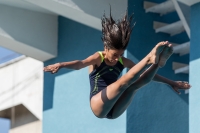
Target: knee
(102, 115)
(122, 85)
(112, 117)
(99, 115)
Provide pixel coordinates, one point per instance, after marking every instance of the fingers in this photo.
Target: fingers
(181, 85)
(184, 85)
(55, 71)
(177, 91)
(51, 68)
(52, 71)
(48, 69)
(187, 85)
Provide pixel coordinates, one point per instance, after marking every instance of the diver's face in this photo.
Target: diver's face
(113, 55)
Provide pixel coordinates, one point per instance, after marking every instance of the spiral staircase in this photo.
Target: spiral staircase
(182, 25)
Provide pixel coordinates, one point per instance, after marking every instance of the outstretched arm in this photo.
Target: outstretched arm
(76, 64)
(176, 85)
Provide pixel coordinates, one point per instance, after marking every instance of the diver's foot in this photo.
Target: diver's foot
(165, 54)
(155, 52)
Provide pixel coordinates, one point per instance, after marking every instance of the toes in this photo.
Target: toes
(169, 49)
(161, 44)
(160, 48)
(165, 55)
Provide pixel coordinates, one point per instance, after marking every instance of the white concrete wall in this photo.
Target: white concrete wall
(34, 127)
(87, 12)
(22, 83)
(24, 121)
(27, 32)
(34, 33)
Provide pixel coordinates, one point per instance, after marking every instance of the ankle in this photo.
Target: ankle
(148, 58)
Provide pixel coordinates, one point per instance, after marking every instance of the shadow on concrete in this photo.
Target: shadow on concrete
(22, 115)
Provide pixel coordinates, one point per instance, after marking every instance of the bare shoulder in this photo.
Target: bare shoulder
(93, 59)
(97, 58)
(96, 55)
(127, 62)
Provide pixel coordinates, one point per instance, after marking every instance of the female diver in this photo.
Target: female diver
(110, 95)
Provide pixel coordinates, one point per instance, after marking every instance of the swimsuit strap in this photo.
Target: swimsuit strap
(102, 58)
(120, 60)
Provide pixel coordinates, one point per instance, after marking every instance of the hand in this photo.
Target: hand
(52, 68)
(180, 85)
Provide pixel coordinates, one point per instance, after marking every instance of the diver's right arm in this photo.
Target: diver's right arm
(76, 64)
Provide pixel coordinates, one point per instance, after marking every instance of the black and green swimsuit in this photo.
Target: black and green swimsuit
(104, 75)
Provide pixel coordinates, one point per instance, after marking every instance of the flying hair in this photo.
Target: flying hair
(116, 34)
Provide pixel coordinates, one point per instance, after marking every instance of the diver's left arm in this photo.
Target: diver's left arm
(176, 85)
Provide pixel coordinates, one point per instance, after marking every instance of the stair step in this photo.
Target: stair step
(162, 8)
(182, 49)
(182, 11)
(186, 91)
(180, 68)
(172, 29)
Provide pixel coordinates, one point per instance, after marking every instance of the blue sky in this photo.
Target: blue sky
(4, 125)
(6, 55)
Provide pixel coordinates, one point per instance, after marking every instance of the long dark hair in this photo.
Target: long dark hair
(116, 34)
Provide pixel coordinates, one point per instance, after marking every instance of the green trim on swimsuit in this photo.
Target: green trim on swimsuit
(120, 60)
(102, 58)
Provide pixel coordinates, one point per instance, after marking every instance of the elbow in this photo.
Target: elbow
(79, 66)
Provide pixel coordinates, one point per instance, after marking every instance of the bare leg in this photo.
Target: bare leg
(103, 102)
(126, 98)
(128, 95)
